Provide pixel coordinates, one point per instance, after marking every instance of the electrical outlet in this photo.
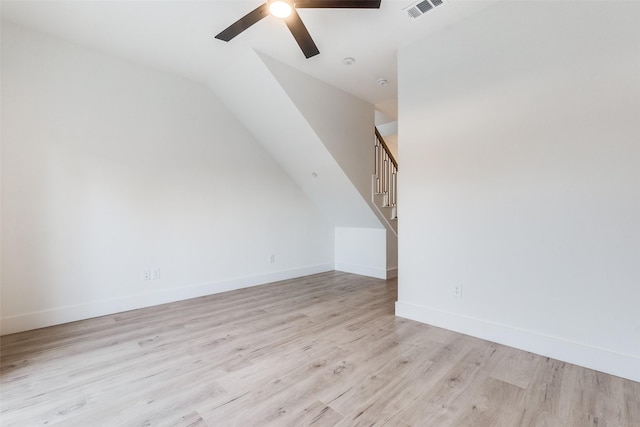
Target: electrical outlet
(272, 258)
(156, 274)
(146, 275)
(457, 290)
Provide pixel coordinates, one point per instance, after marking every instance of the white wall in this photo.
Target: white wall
(520, 139)
(110, 168)
(361, 251)
(267, 111)
(344, 124)
(322, 137)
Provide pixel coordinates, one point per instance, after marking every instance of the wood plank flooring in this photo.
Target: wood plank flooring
(323, 350)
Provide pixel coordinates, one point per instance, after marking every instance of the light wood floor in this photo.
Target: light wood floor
(322, 350)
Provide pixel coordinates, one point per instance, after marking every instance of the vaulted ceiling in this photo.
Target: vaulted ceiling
(179, 36)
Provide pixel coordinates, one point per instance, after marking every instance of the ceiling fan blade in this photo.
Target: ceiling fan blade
(243, 23)
(338, 4)
(302, 36)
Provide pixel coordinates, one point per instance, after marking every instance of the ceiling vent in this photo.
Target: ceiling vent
(418, 9)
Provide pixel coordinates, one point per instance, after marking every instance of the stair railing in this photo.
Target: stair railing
(385, 172)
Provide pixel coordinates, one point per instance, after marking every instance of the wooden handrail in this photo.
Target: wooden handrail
(386, 148)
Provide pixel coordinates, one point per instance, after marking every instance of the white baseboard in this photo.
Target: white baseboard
(59, 315)
(378, 273)
(610, 362)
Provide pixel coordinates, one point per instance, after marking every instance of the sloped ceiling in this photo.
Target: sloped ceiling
(178, 36)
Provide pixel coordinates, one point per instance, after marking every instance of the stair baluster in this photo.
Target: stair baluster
(386, 174)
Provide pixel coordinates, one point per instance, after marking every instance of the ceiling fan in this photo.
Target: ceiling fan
(286, 10)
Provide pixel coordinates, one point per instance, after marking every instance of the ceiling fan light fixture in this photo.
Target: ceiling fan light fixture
(280, 9)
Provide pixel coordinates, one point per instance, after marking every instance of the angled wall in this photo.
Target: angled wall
(110, 169)
(258, 100)
(344, 124)
(520, 178)
(321, 136)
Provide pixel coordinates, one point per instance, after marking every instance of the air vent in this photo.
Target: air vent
(418, 9)
(414, 12)
(424, 6)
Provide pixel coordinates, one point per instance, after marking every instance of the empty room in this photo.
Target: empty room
(320, 212)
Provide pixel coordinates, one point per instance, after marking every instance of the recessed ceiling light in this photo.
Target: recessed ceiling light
(383, 82)
(348, 60)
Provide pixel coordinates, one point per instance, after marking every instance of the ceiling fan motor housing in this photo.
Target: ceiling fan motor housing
(286, 9)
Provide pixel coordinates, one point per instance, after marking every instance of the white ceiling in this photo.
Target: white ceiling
(179, 36)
